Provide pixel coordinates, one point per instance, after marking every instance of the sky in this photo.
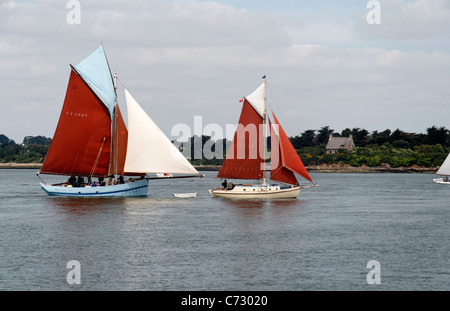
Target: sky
(193, 60)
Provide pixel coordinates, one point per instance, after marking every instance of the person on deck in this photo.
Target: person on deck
(80, 181)
(230, 186)
(71, 180)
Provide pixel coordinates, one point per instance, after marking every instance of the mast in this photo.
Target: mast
(96, 73)
(264, 134)
(115, 138)
(113, 156)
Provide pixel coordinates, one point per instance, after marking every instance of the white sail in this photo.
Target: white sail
(149, 150)
(257, 99)
(445, 167)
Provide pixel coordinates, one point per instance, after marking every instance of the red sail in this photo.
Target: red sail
(243, 160)
(289, 156)
(81, 144)
(278, 172)
(120, 146)
(120, 143)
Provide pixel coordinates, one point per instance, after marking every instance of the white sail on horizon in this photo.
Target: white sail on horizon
(445, 167)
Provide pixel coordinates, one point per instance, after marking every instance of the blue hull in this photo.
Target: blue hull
(130, 189)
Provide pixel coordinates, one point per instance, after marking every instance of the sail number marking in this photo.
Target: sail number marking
(77, 114)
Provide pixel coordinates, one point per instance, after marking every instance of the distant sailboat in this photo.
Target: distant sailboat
(245, 160)
(444, 170)
(92, 141)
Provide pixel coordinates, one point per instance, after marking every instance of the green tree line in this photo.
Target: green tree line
(32, 150)
(396, 148)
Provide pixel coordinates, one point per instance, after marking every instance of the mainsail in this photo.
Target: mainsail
(81, 144)
(243, 160)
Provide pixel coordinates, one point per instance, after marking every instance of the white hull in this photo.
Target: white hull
(185, 195)
(441, 181)
(256, 192)
(129, 189)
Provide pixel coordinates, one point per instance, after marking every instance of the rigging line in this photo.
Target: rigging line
(284, 122)
(94, 167)
(278, 110)
(117, 77)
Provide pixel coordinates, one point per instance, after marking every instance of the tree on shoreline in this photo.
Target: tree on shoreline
(395, 148)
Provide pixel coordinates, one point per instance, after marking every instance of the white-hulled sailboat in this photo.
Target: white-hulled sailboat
(444, 170)
(92, 141)
(245, 158)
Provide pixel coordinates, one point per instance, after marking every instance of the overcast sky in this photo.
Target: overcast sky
(325, 65)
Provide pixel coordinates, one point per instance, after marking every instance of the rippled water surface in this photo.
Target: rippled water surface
(322, 240)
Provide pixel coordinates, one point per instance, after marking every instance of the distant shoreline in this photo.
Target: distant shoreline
(311, 169)
(347, 169)
(20, 165)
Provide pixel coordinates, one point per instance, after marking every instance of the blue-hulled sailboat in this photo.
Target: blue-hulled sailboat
(93, 146)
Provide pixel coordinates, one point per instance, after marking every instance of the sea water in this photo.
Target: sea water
(326, 239)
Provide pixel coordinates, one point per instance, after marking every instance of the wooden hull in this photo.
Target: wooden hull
(129, 189)
(256, 192)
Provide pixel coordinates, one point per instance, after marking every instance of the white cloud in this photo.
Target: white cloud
(185, 58)
(419, 25)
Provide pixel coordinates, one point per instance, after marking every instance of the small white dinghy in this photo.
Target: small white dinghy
(185, 195)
